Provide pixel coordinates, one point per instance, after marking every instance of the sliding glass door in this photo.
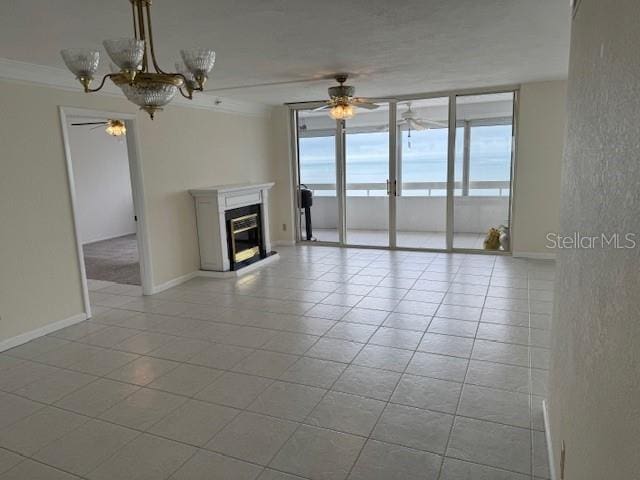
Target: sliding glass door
(367, 179)
(422, 156)
(438, 179)
(317, 192)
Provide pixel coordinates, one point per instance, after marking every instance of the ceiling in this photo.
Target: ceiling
(391, 47)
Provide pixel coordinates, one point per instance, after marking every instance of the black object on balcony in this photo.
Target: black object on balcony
(306, 202)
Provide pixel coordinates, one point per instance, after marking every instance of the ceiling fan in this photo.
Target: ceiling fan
(410, 119)
(115, 128)
(342, 100)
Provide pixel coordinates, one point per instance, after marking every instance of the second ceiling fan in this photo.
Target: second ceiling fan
(113, 127)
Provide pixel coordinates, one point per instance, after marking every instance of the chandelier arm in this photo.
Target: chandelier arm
(186, 83)
(151, 48)
(145, 59)
(188, 97)
(135, 23)
(104, 79)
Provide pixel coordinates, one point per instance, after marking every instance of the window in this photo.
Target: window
(424, 162)
(490, 158)
(367, 164)
(318, 165)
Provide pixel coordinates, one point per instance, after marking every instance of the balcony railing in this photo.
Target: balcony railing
(416, 189)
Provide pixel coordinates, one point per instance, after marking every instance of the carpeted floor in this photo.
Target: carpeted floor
(115, 260)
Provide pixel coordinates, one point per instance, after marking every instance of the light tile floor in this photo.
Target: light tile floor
(331, 364)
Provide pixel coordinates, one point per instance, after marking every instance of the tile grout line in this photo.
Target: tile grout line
(455, 416)
(384, 408)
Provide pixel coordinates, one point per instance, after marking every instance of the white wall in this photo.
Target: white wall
(541, 131)
(281, 196)
(104, 203)
(594, 384)
(182, 148)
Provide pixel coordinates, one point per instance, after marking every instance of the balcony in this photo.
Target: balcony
(421, 213)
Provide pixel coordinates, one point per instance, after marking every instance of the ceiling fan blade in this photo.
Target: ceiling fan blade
(88, 123)
(416, 125)
(367, 106)
(319, 109)
(362, 103)
(433, 123)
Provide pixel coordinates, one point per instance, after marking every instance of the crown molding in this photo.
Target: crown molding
(53, 77)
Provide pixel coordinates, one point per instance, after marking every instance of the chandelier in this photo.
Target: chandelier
(135, 57)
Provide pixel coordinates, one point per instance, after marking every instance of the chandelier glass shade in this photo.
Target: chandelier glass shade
(139, 77)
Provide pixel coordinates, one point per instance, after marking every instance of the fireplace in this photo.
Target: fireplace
(244, 236)
(233, 229)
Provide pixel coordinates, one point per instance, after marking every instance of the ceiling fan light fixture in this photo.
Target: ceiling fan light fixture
(116, 128)
(342, 112)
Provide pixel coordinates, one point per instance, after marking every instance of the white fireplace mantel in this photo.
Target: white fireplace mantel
(211, 205)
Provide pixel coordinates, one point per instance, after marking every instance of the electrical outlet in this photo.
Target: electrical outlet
(284, 227)
(563, 457)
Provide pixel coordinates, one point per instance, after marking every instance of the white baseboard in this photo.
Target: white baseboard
(534, 255)
(39, 332)
(171, 283)
(52, 327)
(547, 434)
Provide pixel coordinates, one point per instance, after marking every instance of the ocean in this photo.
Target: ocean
(423, 156)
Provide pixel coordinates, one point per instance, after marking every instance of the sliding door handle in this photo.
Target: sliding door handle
(392, 189)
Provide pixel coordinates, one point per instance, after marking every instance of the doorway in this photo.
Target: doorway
(104, 180)
(439, 179)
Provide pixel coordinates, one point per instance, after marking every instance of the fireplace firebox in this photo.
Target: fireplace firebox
(244, 236)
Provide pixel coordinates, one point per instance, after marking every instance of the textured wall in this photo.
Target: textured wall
(594, 390)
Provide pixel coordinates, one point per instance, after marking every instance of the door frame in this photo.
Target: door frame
(137, 191)
(393, 159)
